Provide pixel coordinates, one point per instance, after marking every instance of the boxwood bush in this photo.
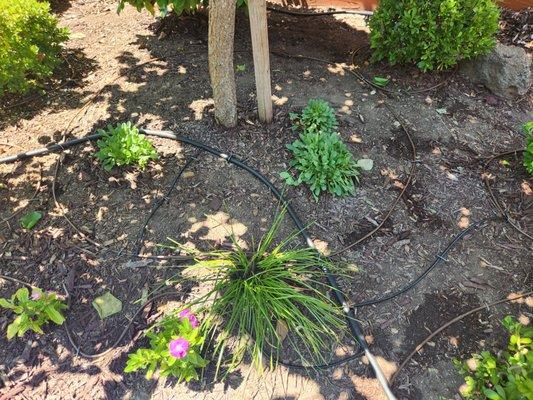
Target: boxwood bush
(433, 34)
(30, 42)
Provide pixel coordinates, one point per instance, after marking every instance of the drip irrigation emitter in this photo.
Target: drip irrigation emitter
(353, 324)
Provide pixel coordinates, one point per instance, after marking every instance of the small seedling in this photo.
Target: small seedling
(124, 145)
(175, 344)
(29, 220)
(240, 67)
(32, 311)
(317, 116)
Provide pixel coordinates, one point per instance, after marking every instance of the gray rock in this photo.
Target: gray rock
(506, 71)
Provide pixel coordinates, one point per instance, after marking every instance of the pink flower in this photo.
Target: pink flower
(36, 294)
(178, 347)
(190, 316)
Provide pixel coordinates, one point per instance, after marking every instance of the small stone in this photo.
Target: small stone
(188, 174)
(428, 100)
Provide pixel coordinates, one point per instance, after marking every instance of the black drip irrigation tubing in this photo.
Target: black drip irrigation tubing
(349, 312)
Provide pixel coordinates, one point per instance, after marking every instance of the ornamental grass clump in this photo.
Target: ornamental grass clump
(433, 34)
(257, 296)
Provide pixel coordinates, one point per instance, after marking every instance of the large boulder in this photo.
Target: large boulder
(506, 71)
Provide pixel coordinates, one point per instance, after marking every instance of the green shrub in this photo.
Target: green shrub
(434, 34)
(528, 153)
(175, 344)
(505, 376)
(258, 294)
(123, 145)
(321, 159)
(30, 42)
(32, 311)
(164, 6)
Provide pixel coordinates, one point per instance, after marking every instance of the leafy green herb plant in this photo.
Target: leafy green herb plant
(317, 116)
(507, 375)
(255, 292)
(528, 153)
(324, 163)
(175, 344)
(321, 159)
(124, 145)
(30, 43)
(433, 34)
(33, 311)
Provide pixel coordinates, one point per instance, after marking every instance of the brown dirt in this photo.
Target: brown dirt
(128, 73)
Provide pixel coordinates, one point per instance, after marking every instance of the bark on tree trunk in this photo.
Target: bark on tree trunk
(221, 34)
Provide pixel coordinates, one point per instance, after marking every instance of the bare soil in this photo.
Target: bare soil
(128, 67)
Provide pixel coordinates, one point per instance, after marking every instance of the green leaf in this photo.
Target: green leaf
(54, 315)
(12, 330)
(6, 304)
(379, 81)
(240, 67)
(107, 305)
(491, 394)
(29, 220)
(528, 127)
(365, 164)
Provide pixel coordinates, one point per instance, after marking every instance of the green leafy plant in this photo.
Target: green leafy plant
(528, 153)
(30, 42)
(32, 311)
(324, 163)
(317, 116)
(433, 34)
(321, 159)
(175, 344)
(257, 295)
(178, 7)
(505, 376)
(124, 145)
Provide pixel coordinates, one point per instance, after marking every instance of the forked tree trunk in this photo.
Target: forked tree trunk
(221, 33)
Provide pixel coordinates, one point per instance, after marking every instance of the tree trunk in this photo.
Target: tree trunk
(221, 33)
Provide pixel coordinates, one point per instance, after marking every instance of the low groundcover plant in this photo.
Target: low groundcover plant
(258, 294)
(124, 145)
(508, 375)
(175, 344)
(33, 311)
